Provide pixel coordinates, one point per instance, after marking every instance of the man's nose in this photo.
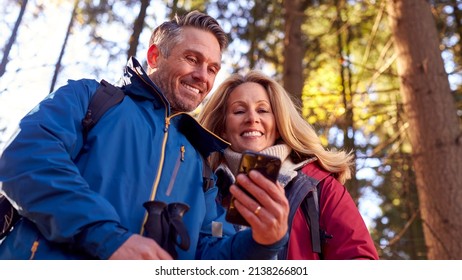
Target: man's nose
(200, 73)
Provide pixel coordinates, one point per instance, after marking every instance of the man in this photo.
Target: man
(82, 198)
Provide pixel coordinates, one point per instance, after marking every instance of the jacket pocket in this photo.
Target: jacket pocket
(179, 160)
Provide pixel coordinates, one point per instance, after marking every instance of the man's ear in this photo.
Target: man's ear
(153, 55)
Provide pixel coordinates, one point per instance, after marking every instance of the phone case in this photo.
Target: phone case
(267, 165)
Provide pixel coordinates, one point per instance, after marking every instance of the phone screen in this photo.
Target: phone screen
(267, 165)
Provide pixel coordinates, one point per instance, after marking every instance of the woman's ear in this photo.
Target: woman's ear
(153, 55)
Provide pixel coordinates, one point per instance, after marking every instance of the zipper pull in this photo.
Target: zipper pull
(34, 249)
(167, 124)
(182, 150)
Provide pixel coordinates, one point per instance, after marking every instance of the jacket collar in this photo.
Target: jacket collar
(137, 82)
(202, 139)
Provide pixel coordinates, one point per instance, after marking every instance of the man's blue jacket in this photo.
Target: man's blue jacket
(83, 199)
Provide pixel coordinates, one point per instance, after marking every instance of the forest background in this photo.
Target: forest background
(379, 77)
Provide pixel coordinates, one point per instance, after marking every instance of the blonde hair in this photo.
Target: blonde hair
(293, 129)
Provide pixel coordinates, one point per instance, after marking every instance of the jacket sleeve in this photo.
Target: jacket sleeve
(232, 245)
(239, 246)
(38, 174)
(340, 218)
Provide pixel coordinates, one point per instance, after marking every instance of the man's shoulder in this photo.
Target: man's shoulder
(89, 84)
(81, 87)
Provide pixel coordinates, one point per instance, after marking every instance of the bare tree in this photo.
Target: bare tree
(61, 55)
(137, 28)
(346, 123)
(434, 130)
(294, 46)
(13, 36)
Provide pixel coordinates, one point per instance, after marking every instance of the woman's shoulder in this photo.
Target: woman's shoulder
(313, 169)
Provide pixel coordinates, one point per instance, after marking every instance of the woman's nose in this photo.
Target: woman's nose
(253, 117)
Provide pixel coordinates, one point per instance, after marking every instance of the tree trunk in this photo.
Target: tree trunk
(294, 46)
(14, 34)
(253, 35)
(63, 48)
(346, 124)
(137, 29)
(434, 130)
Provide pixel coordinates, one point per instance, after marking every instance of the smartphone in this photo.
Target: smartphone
(267, 165)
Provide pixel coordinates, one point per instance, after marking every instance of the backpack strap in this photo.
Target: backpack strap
(105, 97)
(296, 191)
(310, 205)
(207, 175)
(304, 191)
(310, 209)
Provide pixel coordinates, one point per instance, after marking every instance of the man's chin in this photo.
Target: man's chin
(183, 107)
(186, 101)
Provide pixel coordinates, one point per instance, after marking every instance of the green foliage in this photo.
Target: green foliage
(255, 29)
(448, 17)
(398, 230)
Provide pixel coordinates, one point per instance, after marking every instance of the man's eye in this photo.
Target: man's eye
(191, 59)
(213, 70)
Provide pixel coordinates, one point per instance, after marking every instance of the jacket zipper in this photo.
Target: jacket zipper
(155, 184)
(159, 171)
(161, 163)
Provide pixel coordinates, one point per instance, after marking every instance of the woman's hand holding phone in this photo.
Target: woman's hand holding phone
(258, 200)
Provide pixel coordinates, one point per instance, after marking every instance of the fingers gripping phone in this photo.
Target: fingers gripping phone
(267, 165)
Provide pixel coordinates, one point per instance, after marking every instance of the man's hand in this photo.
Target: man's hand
(268, 214)
(138, 247)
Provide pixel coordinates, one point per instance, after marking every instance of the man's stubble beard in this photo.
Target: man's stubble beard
(177, 103)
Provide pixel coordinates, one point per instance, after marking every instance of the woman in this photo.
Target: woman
(253, 112)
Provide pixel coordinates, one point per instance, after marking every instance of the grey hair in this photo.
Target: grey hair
(168, 34)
